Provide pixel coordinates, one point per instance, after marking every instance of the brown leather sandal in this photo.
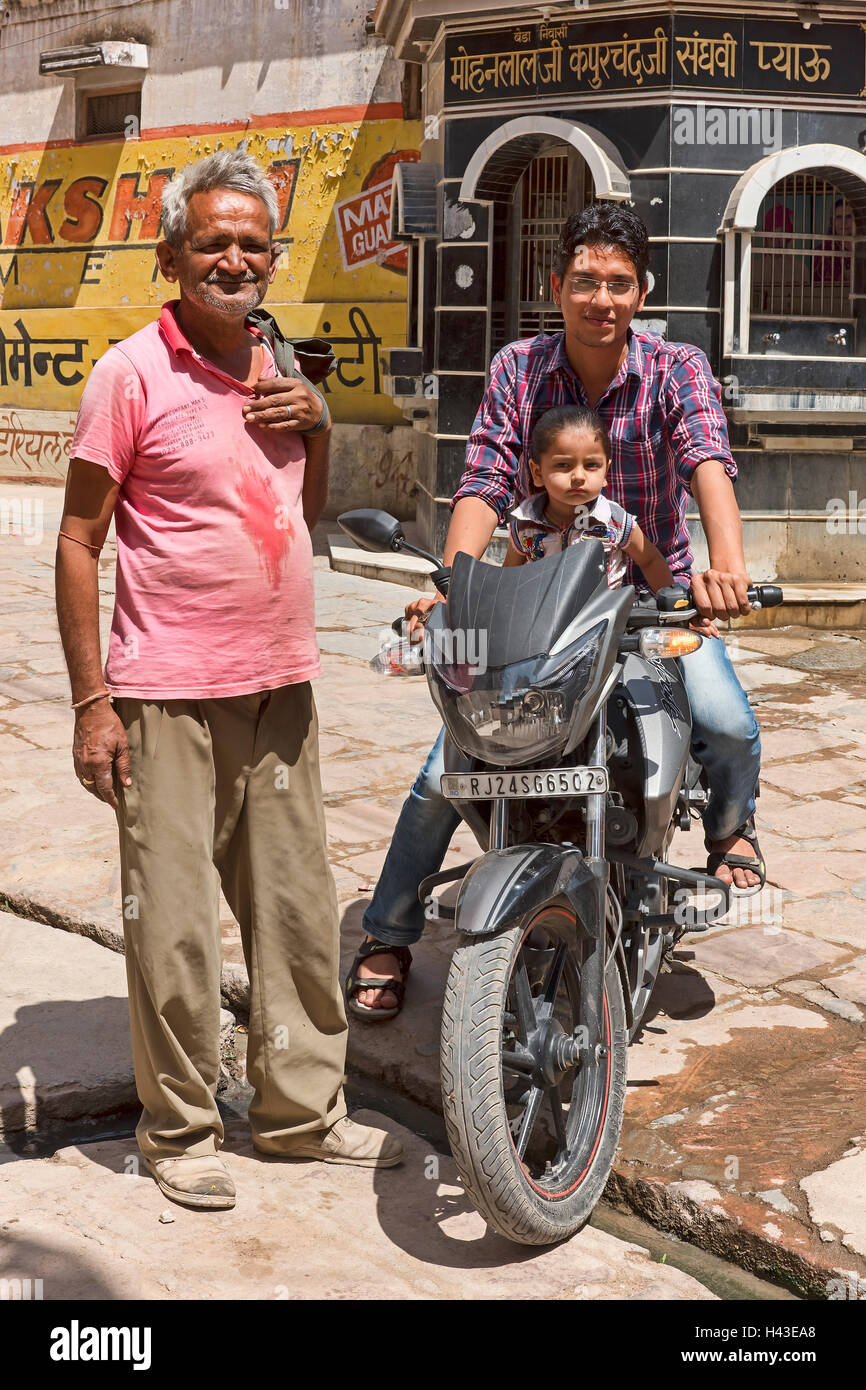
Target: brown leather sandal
(397, 986)
(741, 861)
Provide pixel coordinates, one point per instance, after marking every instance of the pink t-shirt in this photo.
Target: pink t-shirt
(214, 559)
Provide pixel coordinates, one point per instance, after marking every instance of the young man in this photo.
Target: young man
(191, 439)
(669, 437)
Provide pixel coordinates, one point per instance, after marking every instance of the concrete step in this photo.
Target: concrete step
(64, 1031)
(348, 558)
(65, 1054)
(824, 606)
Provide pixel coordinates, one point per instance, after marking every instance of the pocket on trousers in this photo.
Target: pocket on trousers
(152, 719)
(142, 720)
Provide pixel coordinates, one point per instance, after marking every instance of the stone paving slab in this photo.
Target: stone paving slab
(65, 1052)
(763, 955)
(730, 1037)
(90, 1225)
(850, 983)
(839, 1194)
(64, 1029)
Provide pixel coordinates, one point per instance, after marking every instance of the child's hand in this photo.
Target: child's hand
(705, 626)
(417, 613)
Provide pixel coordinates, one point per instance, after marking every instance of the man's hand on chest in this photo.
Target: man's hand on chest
(283, 404)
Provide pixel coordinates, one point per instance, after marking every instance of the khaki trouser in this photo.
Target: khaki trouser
(228, 790)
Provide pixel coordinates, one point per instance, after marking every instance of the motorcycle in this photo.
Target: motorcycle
(567, 754)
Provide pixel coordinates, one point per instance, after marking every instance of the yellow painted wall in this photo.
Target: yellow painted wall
(78, 226)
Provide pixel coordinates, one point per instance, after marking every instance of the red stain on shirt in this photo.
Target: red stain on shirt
(265, 520)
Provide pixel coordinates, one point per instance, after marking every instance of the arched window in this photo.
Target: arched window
(555, 184)
(803, 251)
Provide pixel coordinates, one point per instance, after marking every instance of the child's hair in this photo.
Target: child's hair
(566, 417)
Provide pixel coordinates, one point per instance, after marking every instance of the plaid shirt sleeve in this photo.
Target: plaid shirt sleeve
(697, 429)
(495, 445)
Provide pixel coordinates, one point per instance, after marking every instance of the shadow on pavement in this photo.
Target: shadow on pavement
(683, 994)
(30, 1269)
(416, 1202)
(63, 1063)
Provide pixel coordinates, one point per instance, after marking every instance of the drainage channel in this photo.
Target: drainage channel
(725, 1280)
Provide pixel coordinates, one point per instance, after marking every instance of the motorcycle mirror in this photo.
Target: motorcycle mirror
(372, 529)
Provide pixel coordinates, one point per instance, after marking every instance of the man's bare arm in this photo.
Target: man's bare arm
(721, 590)
(472, 524)
(315, 492)
(99, 744)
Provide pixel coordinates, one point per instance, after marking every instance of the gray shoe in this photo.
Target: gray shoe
(195, 1182)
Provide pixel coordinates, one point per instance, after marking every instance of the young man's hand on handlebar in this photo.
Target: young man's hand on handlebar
(721, 593)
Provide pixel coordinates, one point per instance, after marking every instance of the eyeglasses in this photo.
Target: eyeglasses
(585, 285)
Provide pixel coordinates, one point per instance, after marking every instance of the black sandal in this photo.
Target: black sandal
(741, 861)
(398, 987)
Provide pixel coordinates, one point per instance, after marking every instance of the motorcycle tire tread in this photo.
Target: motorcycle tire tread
(475, 1115)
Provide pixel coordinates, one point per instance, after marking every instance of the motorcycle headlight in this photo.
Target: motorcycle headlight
(521, 710)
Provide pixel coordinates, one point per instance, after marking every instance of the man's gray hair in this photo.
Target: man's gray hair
(226, 169)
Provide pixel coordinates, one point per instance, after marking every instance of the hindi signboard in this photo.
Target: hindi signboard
(585, 57)
(78, 228)
(364, 228)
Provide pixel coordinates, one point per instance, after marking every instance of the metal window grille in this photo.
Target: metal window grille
(803, 251)
(108, 113)
(499, 306)
(525, 234)
(543, 208)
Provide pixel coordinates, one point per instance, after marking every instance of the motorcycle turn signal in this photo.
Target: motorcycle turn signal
(666, 643)
(661, 643)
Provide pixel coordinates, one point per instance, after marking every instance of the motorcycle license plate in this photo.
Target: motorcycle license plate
(560, 781)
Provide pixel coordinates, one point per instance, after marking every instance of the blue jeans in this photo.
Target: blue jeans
(725, 740)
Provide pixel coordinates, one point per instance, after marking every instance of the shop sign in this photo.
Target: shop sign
(586, 57)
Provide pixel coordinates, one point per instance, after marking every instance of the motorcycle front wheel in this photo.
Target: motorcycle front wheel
(533, 1134)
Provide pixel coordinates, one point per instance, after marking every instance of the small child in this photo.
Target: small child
(569, 459)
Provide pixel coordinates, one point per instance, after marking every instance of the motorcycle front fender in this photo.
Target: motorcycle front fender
(506, 886)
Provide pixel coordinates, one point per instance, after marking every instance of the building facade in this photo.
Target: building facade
(101, 102)
(739, 137)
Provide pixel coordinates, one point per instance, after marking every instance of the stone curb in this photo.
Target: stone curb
(725, 1224)
(234, 984)
(729, 1235)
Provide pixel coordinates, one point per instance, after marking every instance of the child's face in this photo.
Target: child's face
(572, 471)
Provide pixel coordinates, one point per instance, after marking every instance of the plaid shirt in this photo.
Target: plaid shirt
(663, 413)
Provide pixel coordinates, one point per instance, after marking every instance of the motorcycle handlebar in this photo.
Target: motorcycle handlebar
(759, 595)
(764, 595)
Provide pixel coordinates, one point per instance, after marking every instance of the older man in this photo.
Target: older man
(203, 735)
